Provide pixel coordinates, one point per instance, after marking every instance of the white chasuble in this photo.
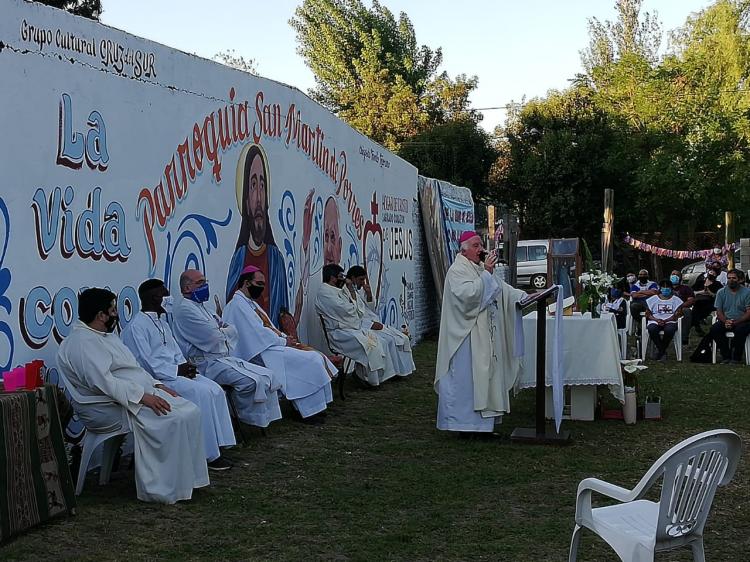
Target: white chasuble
(207, 342)
(169, 456)
(150, 339)
(305, 373)
(395, 341)
(344, 328)
(474, 363)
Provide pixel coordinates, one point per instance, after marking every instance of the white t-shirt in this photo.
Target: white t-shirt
(662, 309)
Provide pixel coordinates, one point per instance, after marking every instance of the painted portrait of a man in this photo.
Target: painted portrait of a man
(255, 243)
(331, 233)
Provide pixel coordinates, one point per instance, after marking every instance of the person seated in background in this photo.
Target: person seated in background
(169, 457)
(718, 255)
(640, 291)
(704, 299)
(305, 373)
(207, 341)
(662, 313)
(359, 291)
(350, 334)
(688, 299)
(150, 339)
(625, 284)
(616, 305)
(721, 272)
(732, 315)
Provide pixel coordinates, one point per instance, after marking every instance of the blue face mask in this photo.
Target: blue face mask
(674, 279)
(201, 294)
(666, 291)
(616, 293)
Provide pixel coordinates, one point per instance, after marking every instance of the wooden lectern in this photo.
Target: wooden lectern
(541, 433)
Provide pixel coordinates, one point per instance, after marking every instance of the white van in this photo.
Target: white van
(531, 258)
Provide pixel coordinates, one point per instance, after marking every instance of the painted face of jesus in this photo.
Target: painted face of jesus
(257, 200)
(331, 233)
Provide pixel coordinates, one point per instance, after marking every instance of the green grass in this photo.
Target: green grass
(379, 482)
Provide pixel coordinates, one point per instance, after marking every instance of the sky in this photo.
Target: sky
(518, 48)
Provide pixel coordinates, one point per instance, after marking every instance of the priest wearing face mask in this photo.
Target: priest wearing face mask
(476, 366)
(358, 290)
(305, 373)
(732, 315)
(150, 339)
(350, 334)
(168, 444)
(208, 342)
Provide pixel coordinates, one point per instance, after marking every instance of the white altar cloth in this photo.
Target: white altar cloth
(590, 354)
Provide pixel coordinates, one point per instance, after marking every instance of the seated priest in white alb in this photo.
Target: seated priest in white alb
(207, 342)
(361, 294)
(306, 374)
(351, 335)
(168, 444)
(150, 338)
(475, 364)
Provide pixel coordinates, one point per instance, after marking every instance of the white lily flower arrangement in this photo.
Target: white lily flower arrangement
(631, 368)
(595, 285)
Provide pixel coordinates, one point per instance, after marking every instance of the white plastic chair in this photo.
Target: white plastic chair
(628, 318)
(622, 336)
(110, 436)
(729, 335)
(637, 528)
(676, 340)
(622, 333)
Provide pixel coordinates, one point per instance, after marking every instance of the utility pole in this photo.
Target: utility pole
(729, 235)
(607, 250)
(510, 241)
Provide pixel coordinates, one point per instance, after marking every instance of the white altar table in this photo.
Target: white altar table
(590, 357)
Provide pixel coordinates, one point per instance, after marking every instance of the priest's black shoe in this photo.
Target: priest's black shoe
(219, 463)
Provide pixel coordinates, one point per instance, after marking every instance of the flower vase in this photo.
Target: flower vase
(594, 308)
(629, 409)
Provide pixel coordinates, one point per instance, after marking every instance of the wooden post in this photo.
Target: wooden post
(491, 226)
(511, 245)
(729, 235)
(607, 250)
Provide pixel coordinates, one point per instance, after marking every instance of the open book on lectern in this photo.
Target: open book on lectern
(536, 297)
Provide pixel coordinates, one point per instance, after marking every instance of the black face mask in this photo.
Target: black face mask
(255, 291)
(340, 283)
(643, 279)
(111, 323)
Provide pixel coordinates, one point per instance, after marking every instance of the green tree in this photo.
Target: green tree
(669, 134)
(91, 9)
(556, 158)
(370, 70)
(630, 34)
(458, 151)
(448, 99)
(231, 58)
